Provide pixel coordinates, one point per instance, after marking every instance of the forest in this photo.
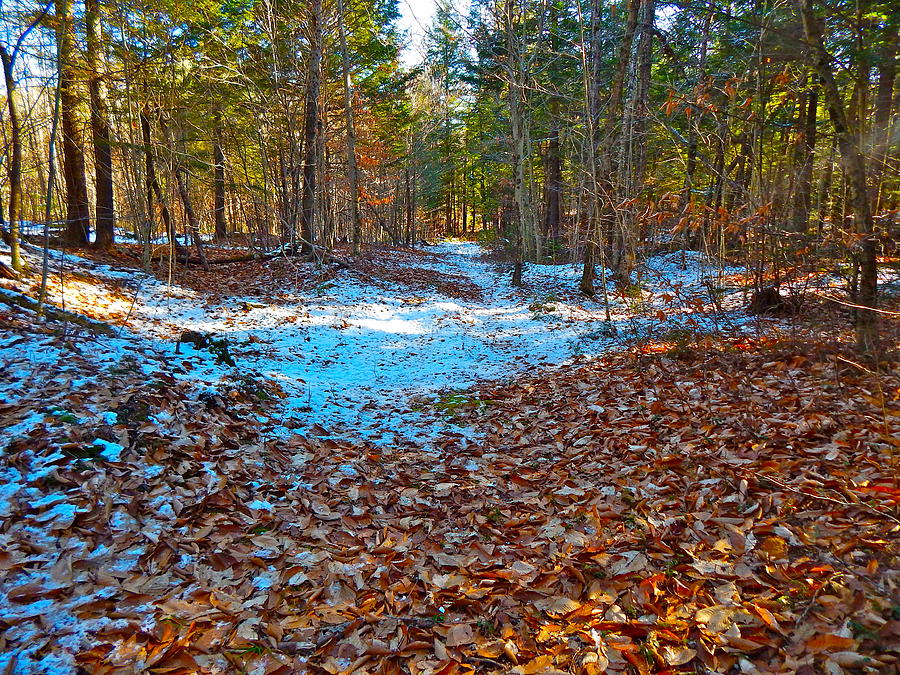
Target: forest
(446, 337)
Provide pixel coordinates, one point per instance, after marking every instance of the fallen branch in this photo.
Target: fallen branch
(250, 257)
(840, 502)
(7, 272)
(13, 298)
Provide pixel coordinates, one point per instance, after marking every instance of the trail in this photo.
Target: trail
(372, 358)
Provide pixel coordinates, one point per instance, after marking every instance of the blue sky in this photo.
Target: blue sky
(415, 17)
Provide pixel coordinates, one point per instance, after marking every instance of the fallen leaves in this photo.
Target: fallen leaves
(730, 510)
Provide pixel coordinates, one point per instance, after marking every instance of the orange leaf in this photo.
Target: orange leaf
(828, 642)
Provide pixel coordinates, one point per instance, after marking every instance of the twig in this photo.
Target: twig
(840, 502)
(131, 308)
(855, 306)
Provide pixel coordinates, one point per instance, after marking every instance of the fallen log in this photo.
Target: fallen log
(324, 257)
(7, 272)
(15, 299)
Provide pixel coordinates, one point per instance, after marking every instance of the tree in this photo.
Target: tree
(100, 127)
(78, 215)
(854, 167)
(352, 176)
(221, 222)
(308, 212)
(8, 57)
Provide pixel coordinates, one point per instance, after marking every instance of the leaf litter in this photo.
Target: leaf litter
(732, 508)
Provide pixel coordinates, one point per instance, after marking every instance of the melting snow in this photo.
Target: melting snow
(371, 361)
(111, 451)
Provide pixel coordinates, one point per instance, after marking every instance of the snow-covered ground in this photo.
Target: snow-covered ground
(364, 360)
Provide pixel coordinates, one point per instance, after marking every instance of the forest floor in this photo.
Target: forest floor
(415, 467)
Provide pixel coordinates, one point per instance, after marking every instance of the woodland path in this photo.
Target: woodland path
(358, 357)
(369, 356)
(375, 351)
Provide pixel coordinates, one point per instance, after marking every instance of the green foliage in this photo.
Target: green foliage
(62, 415)
(452, 404)
(219, 349)
(543, 308)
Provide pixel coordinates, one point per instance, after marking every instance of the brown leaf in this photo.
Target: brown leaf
(460, 634)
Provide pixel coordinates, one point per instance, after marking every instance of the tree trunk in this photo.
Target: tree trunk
(193, 224)
(464, 204)
(554, 179)
(806, 148)
(408, 203)
(695, 120)
(100, 129)
(153, 189)
(632, 149)
(518, 142)
(352, 175)
(308, 210)
(607, 188)
(221, 222)
(15, 163)
(78, 217)
(855, 172)
(887, 75)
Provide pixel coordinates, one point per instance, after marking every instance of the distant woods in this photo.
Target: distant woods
(761, 130)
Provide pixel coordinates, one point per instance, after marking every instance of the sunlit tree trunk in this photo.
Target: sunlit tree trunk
(632, 152)
(608, 188)
(221, 221)
(100, 129)
(855, 172)
(153, 190)
(15, 161)
(518, 137)
(193, 223)
(78, 215)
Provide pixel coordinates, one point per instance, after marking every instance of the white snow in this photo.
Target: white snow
(370, 361)
(110, 451)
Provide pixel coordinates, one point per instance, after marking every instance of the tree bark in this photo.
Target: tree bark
(153, 189)
(806, 148)
(100, 128)
(352, 171)
(15, 162)
(78, 217)
(606, 185)
(193, 224)
(554, 178)
(308, 210)
(221, 222)
(884, 165)
(632, 148)
(518, 142)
